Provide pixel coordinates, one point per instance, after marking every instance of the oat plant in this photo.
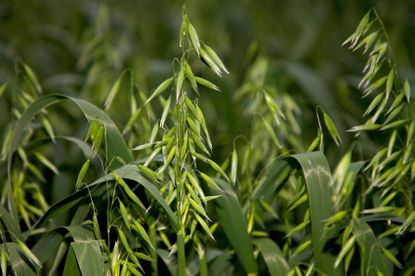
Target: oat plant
(118, 179)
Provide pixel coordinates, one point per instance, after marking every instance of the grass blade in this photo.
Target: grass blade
(89, 257)
(373, 261)
(71, 265)
(234, 224)
(318, 178)
(131, 172)
(275, 260)
(18, 262)
(116, 146)
(48, 246)
(12, 227)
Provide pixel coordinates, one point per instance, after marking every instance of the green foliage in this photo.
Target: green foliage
(149, 182)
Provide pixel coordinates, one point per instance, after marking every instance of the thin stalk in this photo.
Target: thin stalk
(392, 59)
(180, 124)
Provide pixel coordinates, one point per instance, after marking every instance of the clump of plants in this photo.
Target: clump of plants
(153, 198)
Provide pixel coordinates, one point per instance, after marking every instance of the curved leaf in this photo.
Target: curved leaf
(132, 172)
(49, 243)
(19, 263)
(373, 261)
(71, 265)
(275, 260)
(89, 257)
(116, 146)
(11, 225)
(320, 195)
(234, 224)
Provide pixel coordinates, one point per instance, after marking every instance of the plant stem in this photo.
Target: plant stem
(180, 123)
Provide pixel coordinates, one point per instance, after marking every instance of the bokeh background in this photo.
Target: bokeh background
(81, 47)
(285, 59)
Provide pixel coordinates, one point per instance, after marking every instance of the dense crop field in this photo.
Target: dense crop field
(216, 138)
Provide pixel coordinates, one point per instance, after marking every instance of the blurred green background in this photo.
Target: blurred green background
(285, 59)
(80, 48)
